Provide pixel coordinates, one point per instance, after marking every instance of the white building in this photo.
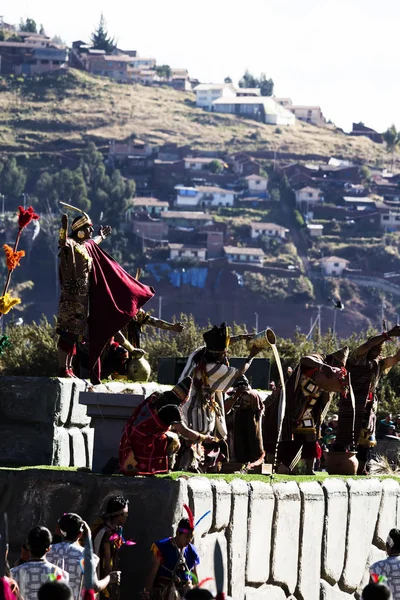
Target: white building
(308, 196)
(203, 195)
(264, 109)
(271, 230)
(206, 93)
(185, 251)
(152, 206)
(309, 114)
(390, 221)
(200, 163)
(256, 185)
(247, 255)
(315, 229)
(333, 265)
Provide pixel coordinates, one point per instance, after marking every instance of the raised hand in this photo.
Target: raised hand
(105, 231)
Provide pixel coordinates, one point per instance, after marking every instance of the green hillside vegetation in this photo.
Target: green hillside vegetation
(67, 110)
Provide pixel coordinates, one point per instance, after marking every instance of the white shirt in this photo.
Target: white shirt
(33, 574)
(390, 568)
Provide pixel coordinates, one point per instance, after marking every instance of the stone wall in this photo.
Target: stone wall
(303, 541)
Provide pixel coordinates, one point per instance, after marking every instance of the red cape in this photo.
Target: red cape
(115, 298)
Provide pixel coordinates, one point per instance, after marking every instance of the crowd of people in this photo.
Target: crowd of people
(79, 561)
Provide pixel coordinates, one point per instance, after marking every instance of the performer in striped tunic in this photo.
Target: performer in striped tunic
(212, 377)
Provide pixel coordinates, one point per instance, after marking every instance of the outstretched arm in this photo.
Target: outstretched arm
(391, 361)
(160, 324)
(104, 232)
(190, 434)
(242, 336)
(377, 339)
(63, 231)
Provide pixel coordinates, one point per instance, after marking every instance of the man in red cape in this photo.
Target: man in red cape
(98, 297)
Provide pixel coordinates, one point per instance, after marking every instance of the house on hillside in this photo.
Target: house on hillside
(309, 114)
(243, 164)
(361, 129)
(390, 221)
(263, 109)
(147, 228)
(201, 163)
(333, 265)
(245, 92)
(202, 196)
(315, 230)
(37, 54)
(186, 251)
(244, 255)
(271, 230)
(357, 203)
(189, 220)
(152, 206)
(207, 93)
(308, 196)
(256, 185)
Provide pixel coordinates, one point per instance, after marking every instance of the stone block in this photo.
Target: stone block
(261, 513)
(374, 555)
(41, 400)
(222, 494)
(334, 539)
(201, 501)
(333, 593)
(237, 538)
(265, 592)
(206, 548)
(26, 444)
(286, 533)
(77, 415)
(387, 516)
(364, 502)
(88, 437)
(61, 448)
(312, 523)
(77, 447)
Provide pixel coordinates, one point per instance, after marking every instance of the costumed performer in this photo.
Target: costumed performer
(366, 365)
(149, 441)
(308, 394)
(205, 412)
(247, 409)
(93, 285)
(174, 560)
(106, 534)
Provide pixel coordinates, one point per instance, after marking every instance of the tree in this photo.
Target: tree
(216, 166)
(392, 139)
(265, 85)
(12, 178)
(41, 30)
(29, 25)
(228, 80)
(100, 38)
(163, 71)
(2, 35)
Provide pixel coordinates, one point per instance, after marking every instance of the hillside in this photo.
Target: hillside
(65, 111)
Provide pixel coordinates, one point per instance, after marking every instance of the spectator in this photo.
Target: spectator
(69, 554)
(397, 424)
(384, 426)
(32, 574)
(390, 567)
(55, 590)
(376, 591)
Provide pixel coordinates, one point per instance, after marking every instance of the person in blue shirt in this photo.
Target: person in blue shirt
(174, 559)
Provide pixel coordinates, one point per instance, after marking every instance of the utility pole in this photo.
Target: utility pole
(256, 315)
(159, 306)
(2, 196)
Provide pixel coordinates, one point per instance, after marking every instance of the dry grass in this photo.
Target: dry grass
(64, 112)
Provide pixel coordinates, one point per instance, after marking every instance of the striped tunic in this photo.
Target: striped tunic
(204, 411)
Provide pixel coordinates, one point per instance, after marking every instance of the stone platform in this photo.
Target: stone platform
(280, 541)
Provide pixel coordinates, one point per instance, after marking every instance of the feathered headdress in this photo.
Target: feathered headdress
(192, 524)
(84, 220)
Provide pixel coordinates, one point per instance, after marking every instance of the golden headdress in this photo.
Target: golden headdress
(84, 220)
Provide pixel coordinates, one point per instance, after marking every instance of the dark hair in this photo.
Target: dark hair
(55, 590)
(39, 539)
(376, 591)
(70, 526)
(394, 534)
(198, 594)
(115, 504)
(185, 524)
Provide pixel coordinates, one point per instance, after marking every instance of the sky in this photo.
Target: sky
(342, 55)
